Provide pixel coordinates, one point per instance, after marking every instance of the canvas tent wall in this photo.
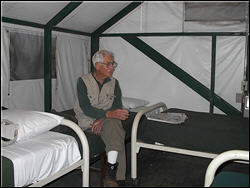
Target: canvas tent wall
(71, 52)
(204, 61)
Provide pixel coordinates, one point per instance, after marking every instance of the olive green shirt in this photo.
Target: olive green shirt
(84, 101)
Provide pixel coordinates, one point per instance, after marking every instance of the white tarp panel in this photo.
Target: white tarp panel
(140, 77)
(22, 94)
(91, 14)
(33, 11)
(72, 54)
(230, 54)
(72, 62)
(151, 17)
(5, 69)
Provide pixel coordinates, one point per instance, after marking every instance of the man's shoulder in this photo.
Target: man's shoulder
(87, 75)
(82, 79)
(113, 78)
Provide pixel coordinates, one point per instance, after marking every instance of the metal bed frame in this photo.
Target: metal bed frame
(136, 144)
(83, 163)
(220, 159)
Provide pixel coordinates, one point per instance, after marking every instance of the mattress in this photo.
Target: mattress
(39, 157)
(203, 132)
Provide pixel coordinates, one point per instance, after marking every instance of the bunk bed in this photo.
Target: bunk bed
(43, 156)
(201, 134)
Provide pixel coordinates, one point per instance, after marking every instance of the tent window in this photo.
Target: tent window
(215, 11)
(27, 58)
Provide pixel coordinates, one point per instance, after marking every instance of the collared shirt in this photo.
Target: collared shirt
(85, 104)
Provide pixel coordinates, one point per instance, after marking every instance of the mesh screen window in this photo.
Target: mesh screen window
(27, 56)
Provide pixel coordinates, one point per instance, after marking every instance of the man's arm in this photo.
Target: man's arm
(116, 110)
(117, 104)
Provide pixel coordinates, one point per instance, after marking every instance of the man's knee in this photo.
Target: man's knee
(112, 123)
(114, 128)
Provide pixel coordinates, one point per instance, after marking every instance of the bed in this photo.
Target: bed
(96, 145)
(226, 179)
(38, 155)
(202, 134)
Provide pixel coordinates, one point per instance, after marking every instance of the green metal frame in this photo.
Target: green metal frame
(63, 13)
(47, 68)
(94, 47)
(21, 22)
(174, 34)
(213, 65)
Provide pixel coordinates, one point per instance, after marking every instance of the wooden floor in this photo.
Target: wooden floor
(157, 169)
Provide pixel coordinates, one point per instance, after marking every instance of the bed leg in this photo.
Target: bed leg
(133, 163)
(134, 182)
(103, 162)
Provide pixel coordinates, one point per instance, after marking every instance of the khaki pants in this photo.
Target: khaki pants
(113, 135)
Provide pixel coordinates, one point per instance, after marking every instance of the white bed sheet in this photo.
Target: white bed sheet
(41, 156)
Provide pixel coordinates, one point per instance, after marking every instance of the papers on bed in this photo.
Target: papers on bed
(169, 117)
(172, 118)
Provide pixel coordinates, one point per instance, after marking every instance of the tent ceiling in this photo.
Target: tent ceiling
(38, 12)
(86, 18)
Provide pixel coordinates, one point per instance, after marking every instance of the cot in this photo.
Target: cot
(227, 179)
(202, 134)
(52, 142)
(96, 145)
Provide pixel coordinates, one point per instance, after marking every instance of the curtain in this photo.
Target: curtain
(72, 62)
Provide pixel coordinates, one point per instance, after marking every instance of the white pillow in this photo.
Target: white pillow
(31, 123)
(130, 103)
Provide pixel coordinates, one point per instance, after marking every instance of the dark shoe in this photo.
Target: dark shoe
(110, 175)
(124, 183)
(121, 183)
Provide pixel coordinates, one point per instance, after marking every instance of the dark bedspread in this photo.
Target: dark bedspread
(204, 132)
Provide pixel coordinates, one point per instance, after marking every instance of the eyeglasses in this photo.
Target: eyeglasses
(107, 65)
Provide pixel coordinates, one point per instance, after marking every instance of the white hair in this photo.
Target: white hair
(99, 56)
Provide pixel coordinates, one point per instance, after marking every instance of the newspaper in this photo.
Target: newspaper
(172, 118)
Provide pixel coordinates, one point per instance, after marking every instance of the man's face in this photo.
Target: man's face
(106, 68)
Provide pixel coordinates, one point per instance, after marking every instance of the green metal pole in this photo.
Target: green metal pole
(94, 48)
(213, 64)
(47, 68)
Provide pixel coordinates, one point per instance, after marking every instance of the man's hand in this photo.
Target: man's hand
(121, 114)
(97, 126)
